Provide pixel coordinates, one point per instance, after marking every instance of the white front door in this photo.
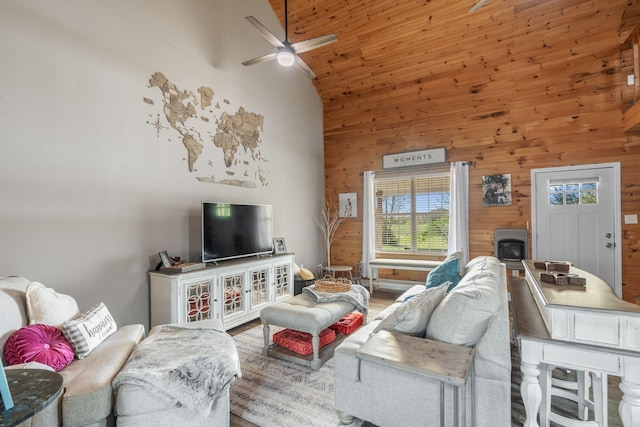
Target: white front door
(576, 213)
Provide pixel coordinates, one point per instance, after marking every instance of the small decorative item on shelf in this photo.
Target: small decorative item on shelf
(183, 267)
(165, 260)
(563, 279)
(332, 284)
(558, 265)
(556, 272)
(279, 246)
(553, 265)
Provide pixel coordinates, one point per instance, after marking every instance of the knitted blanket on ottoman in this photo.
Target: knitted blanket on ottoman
(357, 295)
(186, 366)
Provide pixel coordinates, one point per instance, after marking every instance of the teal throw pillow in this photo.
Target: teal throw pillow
(448, 271)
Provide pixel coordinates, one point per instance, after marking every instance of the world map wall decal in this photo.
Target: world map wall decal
(221, 147)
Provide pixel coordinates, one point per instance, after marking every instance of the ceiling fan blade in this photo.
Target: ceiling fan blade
(259, 59)
(265, 32)
(300, 65)
(478, 4)
(314, 43)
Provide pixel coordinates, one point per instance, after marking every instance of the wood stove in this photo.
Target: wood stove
(511, 246)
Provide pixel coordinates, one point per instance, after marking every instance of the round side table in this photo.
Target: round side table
(344, 270)
(32, 390)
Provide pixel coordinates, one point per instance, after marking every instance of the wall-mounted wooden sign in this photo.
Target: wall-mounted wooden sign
(413, 158)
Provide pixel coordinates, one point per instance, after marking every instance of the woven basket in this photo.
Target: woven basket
(333, 284)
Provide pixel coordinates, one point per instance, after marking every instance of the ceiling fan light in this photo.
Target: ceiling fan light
(286, 58)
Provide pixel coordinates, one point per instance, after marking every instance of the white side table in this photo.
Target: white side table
(344, 270)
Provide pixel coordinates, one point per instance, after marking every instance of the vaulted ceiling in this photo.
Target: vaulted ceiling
(386, 44)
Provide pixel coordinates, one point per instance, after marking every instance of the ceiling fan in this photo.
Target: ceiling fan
(287, 53)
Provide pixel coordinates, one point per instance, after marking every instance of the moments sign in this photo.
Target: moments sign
(413, 158)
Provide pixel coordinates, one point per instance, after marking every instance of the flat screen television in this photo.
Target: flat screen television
(232, 230)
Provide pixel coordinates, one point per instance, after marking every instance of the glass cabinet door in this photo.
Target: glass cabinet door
(198, 301)
(233, 294)
(259, 286)
(281, 279)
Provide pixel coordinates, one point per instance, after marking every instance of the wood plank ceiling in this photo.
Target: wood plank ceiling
(391, 43)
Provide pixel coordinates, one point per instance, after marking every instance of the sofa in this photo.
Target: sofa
(87, 396)
(474, 312)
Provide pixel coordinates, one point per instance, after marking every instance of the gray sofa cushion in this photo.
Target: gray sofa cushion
(413, 315)
(462, 317)
(87, 382)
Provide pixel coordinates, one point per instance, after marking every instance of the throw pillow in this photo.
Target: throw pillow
(301, 342)
(448, 271)
(464, 314)
(46, 306)
(412, 317)
(39, 343)
(89, 330)
(457, 254)
(306, 274)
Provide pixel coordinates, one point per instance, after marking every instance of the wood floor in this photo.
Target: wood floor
(382, 299)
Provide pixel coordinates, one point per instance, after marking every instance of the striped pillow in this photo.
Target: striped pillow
(89, 330)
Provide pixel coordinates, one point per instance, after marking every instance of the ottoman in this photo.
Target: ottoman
(302, 313)
(137, 405)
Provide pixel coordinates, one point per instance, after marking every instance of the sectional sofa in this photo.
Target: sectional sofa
(473, 313)
(87, 397)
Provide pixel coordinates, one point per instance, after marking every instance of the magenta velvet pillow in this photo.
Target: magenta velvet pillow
(39, 343)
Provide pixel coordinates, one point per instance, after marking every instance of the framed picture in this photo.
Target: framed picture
(348, 205)
(164, 257)
(496, 190)
(279, 247)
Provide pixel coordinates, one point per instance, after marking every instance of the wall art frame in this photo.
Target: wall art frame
(496, 190)
(348, 205)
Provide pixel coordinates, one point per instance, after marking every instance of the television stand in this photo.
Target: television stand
(234, 291)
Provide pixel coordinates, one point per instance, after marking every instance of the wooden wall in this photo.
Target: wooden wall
(539, 85)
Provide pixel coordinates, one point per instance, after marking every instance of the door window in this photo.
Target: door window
(573, 193)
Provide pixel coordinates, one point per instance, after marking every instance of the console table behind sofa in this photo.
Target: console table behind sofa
(399, 264)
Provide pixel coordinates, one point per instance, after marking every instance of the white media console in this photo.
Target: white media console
(234, 291)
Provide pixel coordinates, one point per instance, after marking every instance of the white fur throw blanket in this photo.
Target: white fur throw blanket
(186, 366)
(357, 295)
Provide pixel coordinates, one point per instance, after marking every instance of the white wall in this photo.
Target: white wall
(89, 193)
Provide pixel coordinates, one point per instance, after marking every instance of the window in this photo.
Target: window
(412, 214)
(573, 193)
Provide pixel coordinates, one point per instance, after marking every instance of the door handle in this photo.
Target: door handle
(610, 245)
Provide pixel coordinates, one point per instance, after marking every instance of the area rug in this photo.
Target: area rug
(277, 393)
